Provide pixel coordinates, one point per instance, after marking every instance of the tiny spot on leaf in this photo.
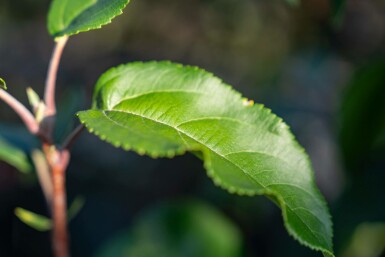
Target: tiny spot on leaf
(247, 102)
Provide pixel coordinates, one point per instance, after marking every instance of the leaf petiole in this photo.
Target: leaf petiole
(21, 110)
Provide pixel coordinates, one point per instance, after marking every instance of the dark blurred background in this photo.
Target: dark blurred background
(319, 64)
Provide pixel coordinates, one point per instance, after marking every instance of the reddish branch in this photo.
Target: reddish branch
(69, 141)
(57, 159)
(50, 86)
(22, 111)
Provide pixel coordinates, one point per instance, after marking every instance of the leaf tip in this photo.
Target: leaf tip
(3, 85)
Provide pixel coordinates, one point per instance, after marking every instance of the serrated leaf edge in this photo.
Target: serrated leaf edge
(127, 147)
(119, 12)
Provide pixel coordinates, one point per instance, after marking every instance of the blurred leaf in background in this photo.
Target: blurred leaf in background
(180, 229)
(14, 156)
(337, 11)
(15, 146)
(363, 116)
(363, 149)
(294, 2)
(71, 101)
(33, 220)
(42, 223)
(368, 240)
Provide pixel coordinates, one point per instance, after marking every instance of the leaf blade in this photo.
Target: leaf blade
(3, 85)
(70, 17)
(170, 229)
(42, 223)
(14, 156)
(164, 109)
(363, 104)
(35, 221)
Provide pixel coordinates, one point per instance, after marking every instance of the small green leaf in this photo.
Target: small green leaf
(165, 109)
(33, 98)
(76, 207)
(42, 223)
(37, 104)
(69, 17)
(36, 221)
(3, 85)
(14, 156)
(188, 229)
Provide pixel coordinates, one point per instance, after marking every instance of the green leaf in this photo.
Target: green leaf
(165, 109)
(69, 17)
(3, 85)
(337, 11)
(363, 116)
(71, 101)
(42, 223)
(367, 241)
(14, 156)
(38, 106)
(76, 207)
(182, 229)
(16, 144)
(36, 221)
(33, 98)
(293, 2)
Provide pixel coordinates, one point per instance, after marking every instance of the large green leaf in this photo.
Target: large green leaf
(166, 109)
(69, 17)
(180, 229)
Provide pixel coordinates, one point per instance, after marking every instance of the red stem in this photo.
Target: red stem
(50, 86)
(21, 110)
(58, 161)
